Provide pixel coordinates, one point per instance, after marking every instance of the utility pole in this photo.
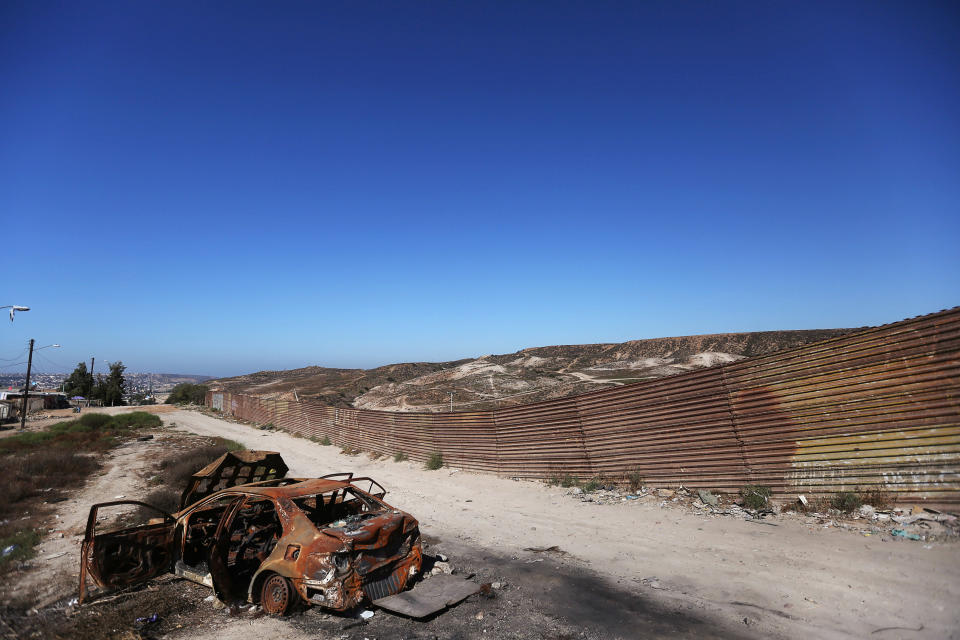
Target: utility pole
(26, 390)
(451, 402)
(91, 365)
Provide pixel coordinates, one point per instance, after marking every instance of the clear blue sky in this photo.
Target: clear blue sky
(228, 187)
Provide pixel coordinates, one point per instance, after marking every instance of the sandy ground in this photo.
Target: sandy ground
(715, 576)
(791, 580)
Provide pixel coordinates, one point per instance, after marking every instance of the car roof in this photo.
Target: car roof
(298, 487)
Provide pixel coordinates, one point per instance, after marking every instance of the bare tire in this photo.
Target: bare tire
(276, 595)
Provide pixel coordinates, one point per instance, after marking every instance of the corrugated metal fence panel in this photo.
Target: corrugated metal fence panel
(878, 408)
(672, 431)
(466, 440)
(542, 440)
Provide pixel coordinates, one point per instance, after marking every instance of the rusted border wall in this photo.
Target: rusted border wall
(878, 408)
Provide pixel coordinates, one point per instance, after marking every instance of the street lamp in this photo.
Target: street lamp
(26, 389)
(13, 308)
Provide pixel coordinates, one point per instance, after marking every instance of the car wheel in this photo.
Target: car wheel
(276, 595)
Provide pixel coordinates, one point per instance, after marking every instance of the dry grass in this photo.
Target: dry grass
(174, 472)
(635, 480)
(38, 464)
(35, 473)
(876, 497)
(755, 496)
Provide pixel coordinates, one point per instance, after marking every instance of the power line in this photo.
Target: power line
(22, 353)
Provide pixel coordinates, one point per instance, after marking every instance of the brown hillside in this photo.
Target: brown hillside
(528, 375)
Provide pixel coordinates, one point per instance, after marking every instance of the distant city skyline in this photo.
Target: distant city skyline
(225, 189)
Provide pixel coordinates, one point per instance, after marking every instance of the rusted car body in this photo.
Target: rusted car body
(330, 541)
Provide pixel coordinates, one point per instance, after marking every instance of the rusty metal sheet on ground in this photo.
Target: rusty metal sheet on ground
(430, 596)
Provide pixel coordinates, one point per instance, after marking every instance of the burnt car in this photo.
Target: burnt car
(254, 535)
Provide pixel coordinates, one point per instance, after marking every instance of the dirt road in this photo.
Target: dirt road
(729, 576)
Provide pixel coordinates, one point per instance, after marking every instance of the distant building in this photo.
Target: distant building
(36, 401)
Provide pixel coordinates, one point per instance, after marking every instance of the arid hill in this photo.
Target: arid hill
(529, 375)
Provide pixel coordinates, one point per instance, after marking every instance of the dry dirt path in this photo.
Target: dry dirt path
(788, 581)
(58, 555)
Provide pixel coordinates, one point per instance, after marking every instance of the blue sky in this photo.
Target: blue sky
(228, 187)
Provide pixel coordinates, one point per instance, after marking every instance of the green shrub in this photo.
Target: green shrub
(846, 501)
(568, 481)
(23, 542)
(755, 496)
(635, 480)
(91, 432)
(592, 484)
(137, 420)
(71, 426)
(226, 443)
(95, 420)
(186, 392)
(435, 461)
(325, 441)
(399, 456)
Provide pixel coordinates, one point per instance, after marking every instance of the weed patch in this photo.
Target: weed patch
(846, 501)
(755, 496)
(399, 456)
(91, 432)
(592, 484)
(876, 497)
(635, 480)
(568, 481)
(226, 443)
(23, 543)
(435, 461)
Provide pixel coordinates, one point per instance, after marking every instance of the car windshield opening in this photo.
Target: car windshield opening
(338, 508)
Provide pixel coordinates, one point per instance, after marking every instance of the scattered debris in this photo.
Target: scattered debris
(708, 498)
(551, 549)
(652, 582)
(920, 628)
(142, 622)
(8, 550)
(900, 533)
(429, 597)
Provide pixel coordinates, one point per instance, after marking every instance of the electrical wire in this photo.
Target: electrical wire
(22, 353)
